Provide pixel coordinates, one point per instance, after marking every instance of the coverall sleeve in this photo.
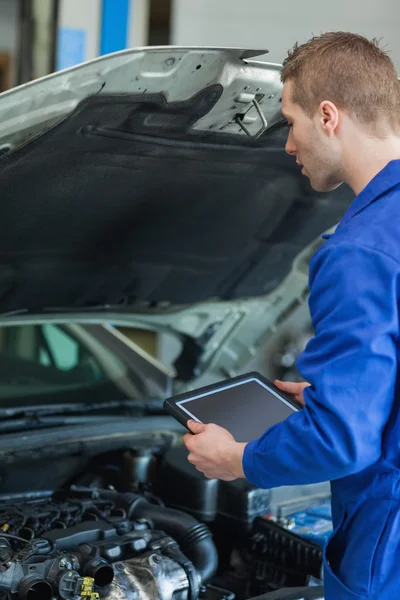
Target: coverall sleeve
(351, 364)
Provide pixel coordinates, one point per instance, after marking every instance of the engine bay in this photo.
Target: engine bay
(143, 523)
(99, 543)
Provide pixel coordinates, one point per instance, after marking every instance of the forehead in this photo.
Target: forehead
(287, 104)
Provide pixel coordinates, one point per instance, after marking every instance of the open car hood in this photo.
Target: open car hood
(153, 184)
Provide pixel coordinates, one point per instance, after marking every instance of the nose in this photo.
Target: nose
(290, 145)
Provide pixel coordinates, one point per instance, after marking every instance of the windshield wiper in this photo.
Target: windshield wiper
(24, 418)
(43, 410)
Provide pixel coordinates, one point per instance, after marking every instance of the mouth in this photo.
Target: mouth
(299, 164)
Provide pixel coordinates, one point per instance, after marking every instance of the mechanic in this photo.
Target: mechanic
(341, 98)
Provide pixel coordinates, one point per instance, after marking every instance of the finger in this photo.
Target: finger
(186, 439)
(196, 427)
(210, 474)
(191, 458)
(287, 386)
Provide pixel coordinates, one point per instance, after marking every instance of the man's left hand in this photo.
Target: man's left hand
(214, 451)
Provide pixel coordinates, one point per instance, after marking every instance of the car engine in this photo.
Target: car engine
(161, 530)
(102, 544)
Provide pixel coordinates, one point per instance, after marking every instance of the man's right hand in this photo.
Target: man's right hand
(293, 389)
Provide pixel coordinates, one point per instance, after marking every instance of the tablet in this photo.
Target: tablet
(246, 406)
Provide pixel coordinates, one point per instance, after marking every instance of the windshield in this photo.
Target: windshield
(51, 364)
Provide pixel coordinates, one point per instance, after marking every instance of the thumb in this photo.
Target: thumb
(195, 426)
(287, 386)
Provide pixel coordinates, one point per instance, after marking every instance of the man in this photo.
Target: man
(341, 98)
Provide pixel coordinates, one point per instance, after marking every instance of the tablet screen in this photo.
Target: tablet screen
(246, 409)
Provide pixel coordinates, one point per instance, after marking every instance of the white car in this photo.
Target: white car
(149, 189)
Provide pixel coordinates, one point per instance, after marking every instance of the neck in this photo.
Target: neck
(367, 157)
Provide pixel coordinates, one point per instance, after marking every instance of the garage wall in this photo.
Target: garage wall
(138, 23)
(9, 31)
(79, 31)
(277, 25)
(8, 25)
(89, 28)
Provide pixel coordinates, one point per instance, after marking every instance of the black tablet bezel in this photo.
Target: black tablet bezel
(172, 407)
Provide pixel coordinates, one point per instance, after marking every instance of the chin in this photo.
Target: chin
(324, 186)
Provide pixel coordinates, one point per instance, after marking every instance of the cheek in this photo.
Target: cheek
(298, 136)
(305, 141)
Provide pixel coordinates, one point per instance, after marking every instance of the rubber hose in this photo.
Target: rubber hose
(194, 538)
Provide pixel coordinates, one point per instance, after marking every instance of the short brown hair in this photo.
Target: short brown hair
(349, 70)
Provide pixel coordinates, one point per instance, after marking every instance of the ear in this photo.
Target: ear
(328, 115)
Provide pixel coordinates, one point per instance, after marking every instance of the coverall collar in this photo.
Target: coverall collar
(386, 179)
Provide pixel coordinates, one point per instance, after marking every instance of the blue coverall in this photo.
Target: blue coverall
(349, 430)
